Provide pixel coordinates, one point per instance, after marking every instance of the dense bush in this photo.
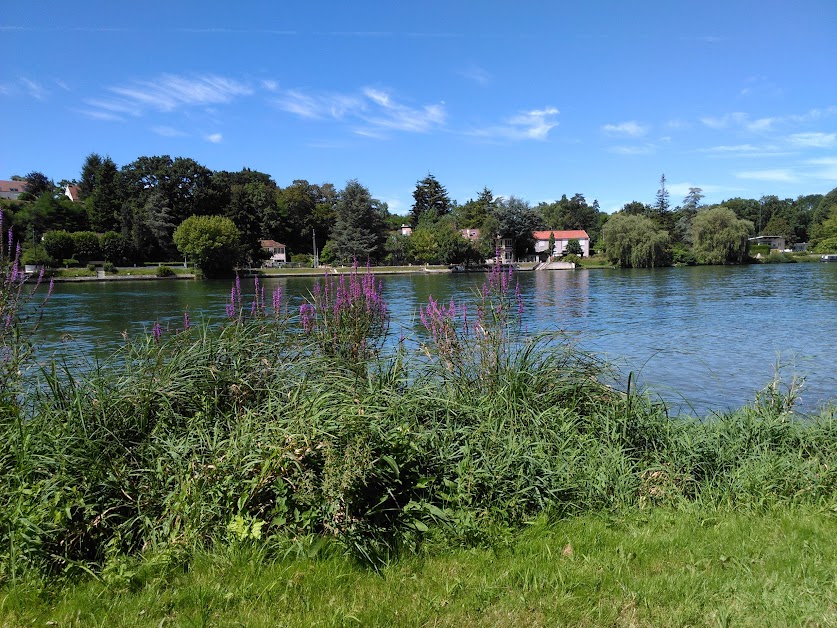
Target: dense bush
(86, 246)
(58, 244)
(164, 271)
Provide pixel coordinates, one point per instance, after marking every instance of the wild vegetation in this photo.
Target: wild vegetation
(281, 432)
(130, 214)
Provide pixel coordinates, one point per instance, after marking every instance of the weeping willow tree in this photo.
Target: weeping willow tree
(720, 237)
(635, 242)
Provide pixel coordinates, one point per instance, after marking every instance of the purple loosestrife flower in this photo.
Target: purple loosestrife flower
(186, 323)
(157, 331)
(277, 300)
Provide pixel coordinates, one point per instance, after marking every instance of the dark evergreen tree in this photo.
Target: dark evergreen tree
(360, 230)
(430, 199)
(105, 203)
(88, 175)
(37, 184)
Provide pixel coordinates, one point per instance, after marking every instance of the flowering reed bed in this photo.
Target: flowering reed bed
(280, 430)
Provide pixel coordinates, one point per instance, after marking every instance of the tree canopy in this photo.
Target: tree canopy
(635, 242)
(719, 237)
(211, 241)
(360, 229)
(430, 199)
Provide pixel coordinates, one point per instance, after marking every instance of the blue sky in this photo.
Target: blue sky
(534, 99)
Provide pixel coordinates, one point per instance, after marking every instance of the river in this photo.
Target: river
(702, 338)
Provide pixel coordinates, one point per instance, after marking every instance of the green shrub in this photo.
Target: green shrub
(165, 271)
(37, 256)
(779, 258)
(110, 268)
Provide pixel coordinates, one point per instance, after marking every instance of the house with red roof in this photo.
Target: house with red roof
(562, 238)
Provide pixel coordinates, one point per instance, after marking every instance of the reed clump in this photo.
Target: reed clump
(286, 430)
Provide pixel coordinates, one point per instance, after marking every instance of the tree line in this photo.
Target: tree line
(158, 208)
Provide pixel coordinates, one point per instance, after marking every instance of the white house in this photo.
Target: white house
(776, 243)
(277, 252)
(562, 238)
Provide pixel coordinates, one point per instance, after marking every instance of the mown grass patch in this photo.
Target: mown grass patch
(694, 566)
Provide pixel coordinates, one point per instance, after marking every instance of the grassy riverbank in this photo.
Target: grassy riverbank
(661, 567)
(195, 455)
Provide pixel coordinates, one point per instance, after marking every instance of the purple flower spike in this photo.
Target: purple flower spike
(186, 324)
(157, 331)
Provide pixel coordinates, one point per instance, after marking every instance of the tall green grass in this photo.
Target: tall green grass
(255, 433)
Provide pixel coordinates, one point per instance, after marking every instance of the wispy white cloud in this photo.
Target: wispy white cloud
(740, 120)
(630, 128)
(33, 88)
(776, 175)
(270, 85)
(476, 74)
(813, 140)
(643, 149)
(167, 131)
(62, 84)
(527, 125)
(743, 121)
(678, 124)
(825, 168)
(167, 93)
(744, 150)
(398, 117)
(113, 109)
(373, 111)
(215, 138)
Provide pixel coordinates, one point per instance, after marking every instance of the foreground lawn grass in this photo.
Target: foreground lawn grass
(645, 567)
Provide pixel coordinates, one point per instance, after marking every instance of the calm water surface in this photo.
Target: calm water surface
(702, 338)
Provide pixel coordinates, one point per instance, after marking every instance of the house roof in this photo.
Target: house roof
(12, 186)
(578, 234)
(72, 192)
(270, 244)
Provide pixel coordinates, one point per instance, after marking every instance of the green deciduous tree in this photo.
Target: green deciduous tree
(86, 246)
(779, 226)
(824, 235)
(635, 242)
(517, 220)
(116, 248)
(719, 237)
(58, 245)
(211, 242)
